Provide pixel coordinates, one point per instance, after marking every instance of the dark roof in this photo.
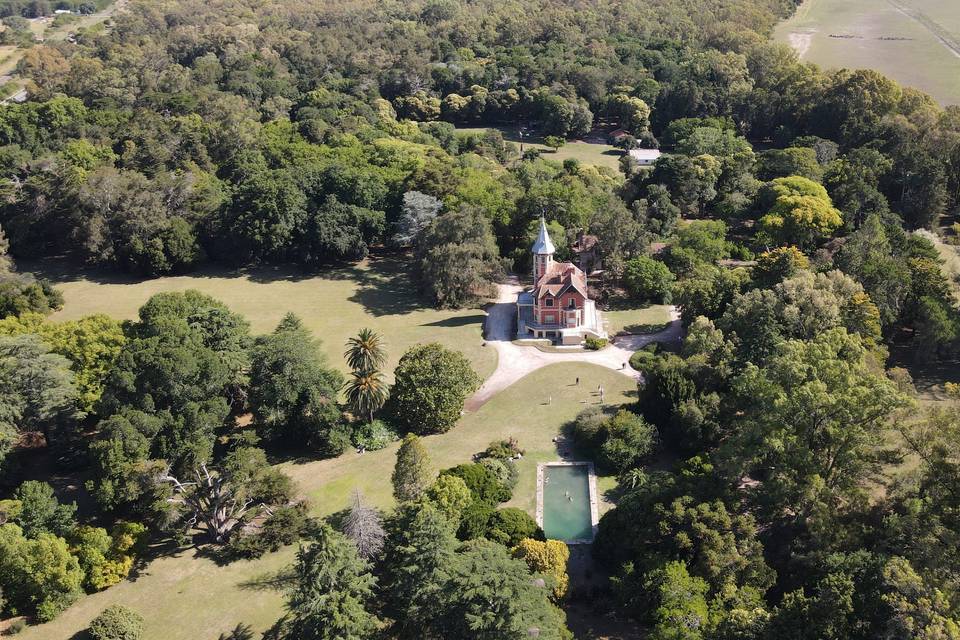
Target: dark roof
(584, 243)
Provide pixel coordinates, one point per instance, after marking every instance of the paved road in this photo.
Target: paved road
(515, 362)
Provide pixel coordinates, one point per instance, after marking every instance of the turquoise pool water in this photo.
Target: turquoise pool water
(566, 503)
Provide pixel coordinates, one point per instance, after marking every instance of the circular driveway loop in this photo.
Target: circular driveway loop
(515, 362)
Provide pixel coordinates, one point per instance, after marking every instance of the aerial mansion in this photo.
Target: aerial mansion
(558, 306)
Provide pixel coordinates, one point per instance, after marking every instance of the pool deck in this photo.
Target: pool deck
(591, 483)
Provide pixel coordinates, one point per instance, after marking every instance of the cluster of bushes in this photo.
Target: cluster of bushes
(47, 560)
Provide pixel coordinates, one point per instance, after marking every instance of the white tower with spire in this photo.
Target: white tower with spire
(543, 251)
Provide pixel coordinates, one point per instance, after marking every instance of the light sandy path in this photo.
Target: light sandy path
(514, 362)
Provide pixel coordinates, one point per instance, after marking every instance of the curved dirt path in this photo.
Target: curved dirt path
(515, 362)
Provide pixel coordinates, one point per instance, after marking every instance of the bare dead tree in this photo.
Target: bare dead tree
(364, 526)
(213, 501)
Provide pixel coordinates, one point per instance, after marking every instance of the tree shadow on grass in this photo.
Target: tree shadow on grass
(270, 581)
(457, 321)
(388, 290)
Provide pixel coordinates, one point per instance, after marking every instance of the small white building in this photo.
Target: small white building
(645, 157)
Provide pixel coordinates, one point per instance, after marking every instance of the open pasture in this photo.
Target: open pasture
(916, 42)
(334, 304)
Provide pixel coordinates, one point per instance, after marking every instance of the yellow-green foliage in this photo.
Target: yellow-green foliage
(450, 495)
(801, 214)
(106, 559)
(549, 558)
(92, 345)
(10, 509)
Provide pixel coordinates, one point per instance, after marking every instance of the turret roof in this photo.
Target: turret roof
(543, 245)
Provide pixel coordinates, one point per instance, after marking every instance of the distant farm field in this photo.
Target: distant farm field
(916, 42)
(334, 304)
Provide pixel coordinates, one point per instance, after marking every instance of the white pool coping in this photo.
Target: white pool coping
(594, 501)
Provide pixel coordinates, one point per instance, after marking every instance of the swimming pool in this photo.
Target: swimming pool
(566, 501)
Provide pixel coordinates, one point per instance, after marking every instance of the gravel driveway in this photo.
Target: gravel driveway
(514, 362)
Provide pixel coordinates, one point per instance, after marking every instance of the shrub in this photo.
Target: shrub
(16, 627)
(451, 496)
(618, 442)
(503, 449)
(473, 521)
(374, 436)
(642, 359)
(117, 622)
(588, 428)
(629, 439)
(482, 482)
(504, 470)
(511, 525)
(594, 344)
(548, 557)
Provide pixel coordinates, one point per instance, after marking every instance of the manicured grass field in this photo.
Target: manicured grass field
(917, 42)
(185, 597)
(334, 305)
(595, 153)
(644, 320)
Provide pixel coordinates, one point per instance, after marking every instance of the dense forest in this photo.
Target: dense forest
(795, 219)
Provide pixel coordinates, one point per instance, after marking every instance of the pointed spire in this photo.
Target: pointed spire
(543, 245)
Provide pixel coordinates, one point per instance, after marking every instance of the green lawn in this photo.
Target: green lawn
(333, 305)
(185, 597)
(597, 154)
(643, 320)
(917, 42)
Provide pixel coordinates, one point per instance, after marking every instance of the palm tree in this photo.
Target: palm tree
(366, 393)
(365, 352)
(240, 632)
(633, 478)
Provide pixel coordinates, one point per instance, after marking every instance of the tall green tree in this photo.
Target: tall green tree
(681, 611)
(491, 596)
(37, 390)
(41, 512)
(430, 387)
(417, 559)
(366, 390)
(331, 592)
(411, 472)
(293, 393)
(365, 351)
(458, 259)
(812, 419)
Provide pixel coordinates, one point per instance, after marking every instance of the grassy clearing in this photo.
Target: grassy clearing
(595, 153)
(521, 411)
(644, 320)
(917, 42)
(333, 305)
(185, 597)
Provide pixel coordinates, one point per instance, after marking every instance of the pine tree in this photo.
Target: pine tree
(332, 587)
(411, 473)
(491, 596)
(419, 552)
